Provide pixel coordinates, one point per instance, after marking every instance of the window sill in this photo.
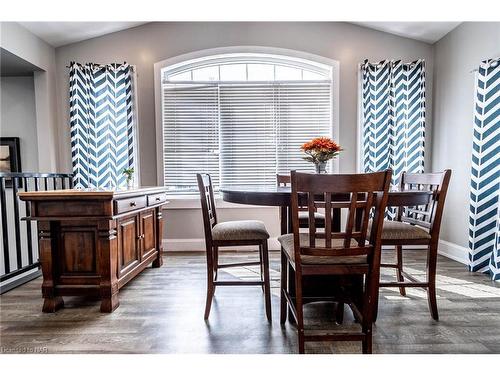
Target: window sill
(192, 202)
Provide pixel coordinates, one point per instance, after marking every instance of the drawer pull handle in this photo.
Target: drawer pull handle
(133, 204)
(158, 199)
(140, 237)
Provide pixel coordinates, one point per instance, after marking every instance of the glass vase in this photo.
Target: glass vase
(320, 167)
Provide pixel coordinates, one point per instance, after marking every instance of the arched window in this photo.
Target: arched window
(241, 117)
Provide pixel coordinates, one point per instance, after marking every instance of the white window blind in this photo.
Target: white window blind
(190, 135)
(243, 126)
(304, 111)
(248, 134)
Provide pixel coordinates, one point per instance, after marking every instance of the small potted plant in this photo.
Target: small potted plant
(129, 173)
(319, 150)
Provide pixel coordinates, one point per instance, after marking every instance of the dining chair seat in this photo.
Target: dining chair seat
(397, 230)
(240, 230)
(286, 242)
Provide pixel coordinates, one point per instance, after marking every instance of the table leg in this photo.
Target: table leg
(108, 252)
(158, 262)
(284, 223)
(284, 219)
(291, 271)
(46, 232)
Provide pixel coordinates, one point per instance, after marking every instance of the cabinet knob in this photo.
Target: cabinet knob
(133, 204)
(158, 199)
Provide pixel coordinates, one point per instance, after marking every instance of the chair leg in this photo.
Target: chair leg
(267, 286)
(370, 307)
(399, 270)
(366, 344)
(291, 287)
(339, 313)
(431, 279)
(261, 260)
(216, 262)
(300, 313)
(210, 285)
(283, 287)
(376, 296)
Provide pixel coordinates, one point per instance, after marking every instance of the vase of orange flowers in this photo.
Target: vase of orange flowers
(319, 150)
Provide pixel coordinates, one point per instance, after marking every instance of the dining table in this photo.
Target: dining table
(280, 196)
(314, 287)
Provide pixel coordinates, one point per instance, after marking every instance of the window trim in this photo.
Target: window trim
(202, 54)
(245, 58)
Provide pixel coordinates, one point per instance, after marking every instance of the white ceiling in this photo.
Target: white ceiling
(429, 32)
(61, 33)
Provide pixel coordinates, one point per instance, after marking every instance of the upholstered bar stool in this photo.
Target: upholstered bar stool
(418, 226)
(351, 253)
(231, 233)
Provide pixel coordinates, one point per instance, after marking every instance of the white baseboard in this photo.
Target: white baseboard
(198, 244)
(453, 251)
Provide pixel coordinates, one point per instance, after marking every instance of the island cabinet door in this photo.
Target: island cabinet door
(148, 234)
(129, 236)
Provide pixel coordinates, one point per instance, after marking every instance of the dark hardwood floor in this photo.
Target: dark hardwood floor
(161, 311)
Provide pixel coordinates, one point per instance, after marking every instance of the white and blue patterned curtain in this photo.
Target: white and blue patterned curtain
(484, 216)
(393, 116)
(102, 124)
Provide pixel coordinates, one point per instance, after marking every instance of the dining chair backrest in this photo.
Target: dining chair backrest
(429, 215)
(357, 194)
(283, 180)
(207, 203)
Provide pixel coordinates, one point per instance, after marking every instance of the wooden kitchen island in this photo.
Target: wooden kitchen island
(92, 242)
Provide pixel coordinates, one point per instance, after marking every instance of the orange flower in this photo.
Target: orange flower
(321, 144)
(320, 150)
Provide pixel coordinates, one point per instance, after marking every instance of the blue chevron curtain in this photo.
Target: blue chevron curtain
(484, 216)
(393, 116)
(102, 123)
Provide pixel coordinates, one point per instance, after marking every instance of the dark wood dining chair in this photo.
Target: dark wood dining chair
(419, 225)
(285, 180)
(231, 233)
(350, 253)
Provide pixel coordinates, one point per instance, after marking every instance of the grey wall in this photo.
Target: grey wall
(18, 117)
(150, 43)
(456, 55)
(19, 41)
(147, 44)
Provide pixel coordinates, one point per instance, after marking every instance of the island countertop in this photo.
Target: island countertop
(90, 193)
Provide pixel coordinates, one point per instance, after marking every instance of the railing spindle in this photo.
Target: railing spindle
(29, 234)
(17, 229)
(5, 229)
